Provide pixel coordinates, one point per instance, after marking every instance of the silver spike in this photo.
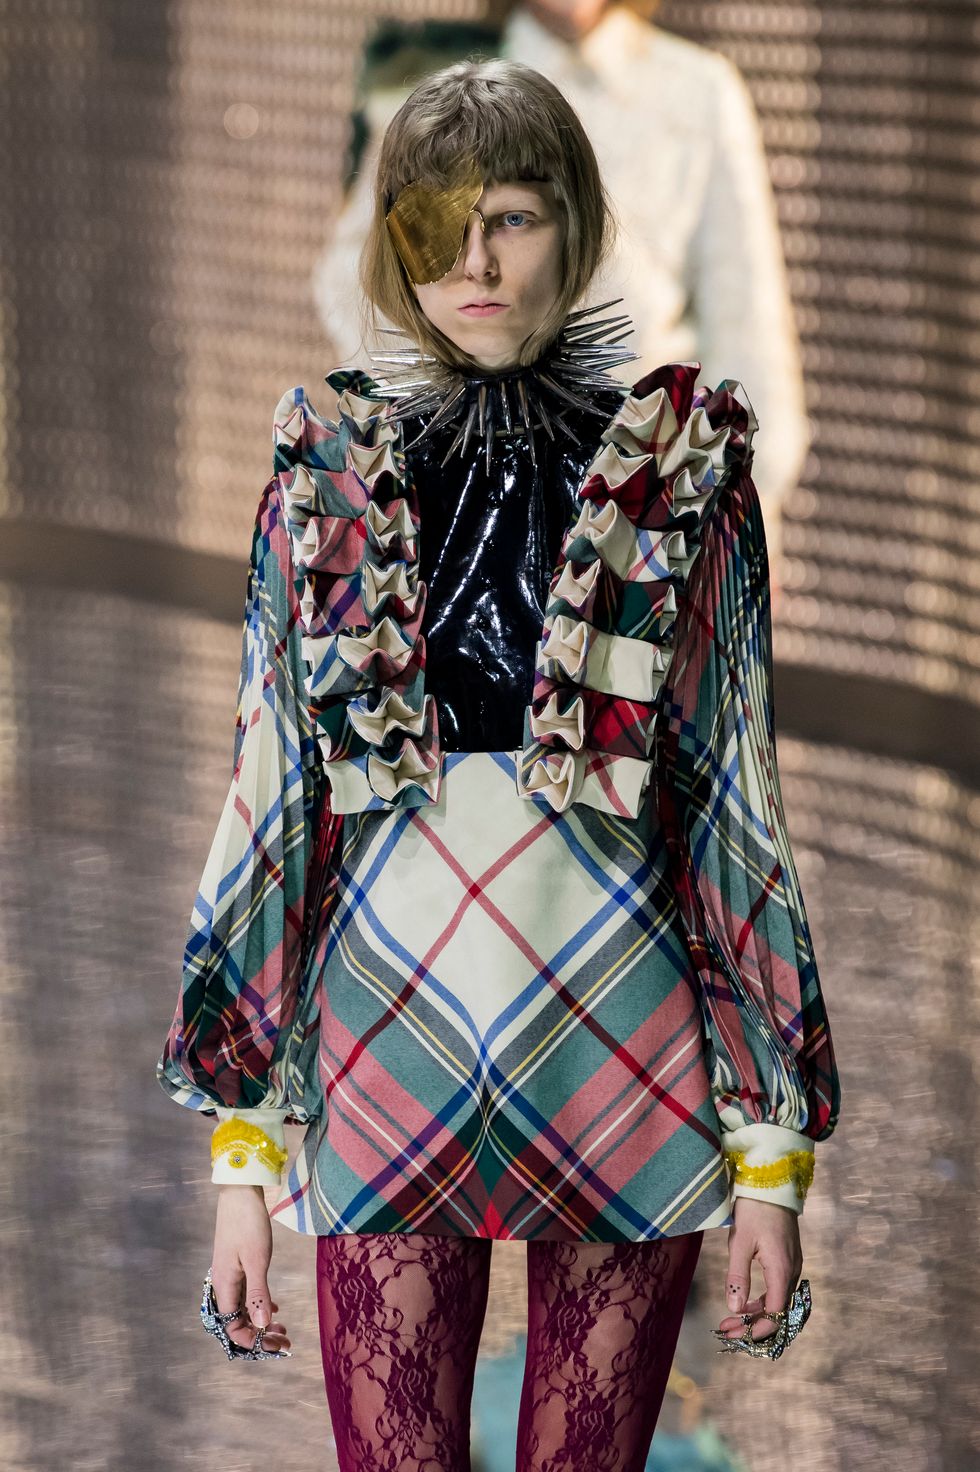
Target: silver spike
(468, 428)
(597, 351)
(447, 409)
(456, 442)
(594, 350)
(569, 396)
(405, 390)
(588, 332)
(406, 355)
(543, 419)
(584, 351)
(567, 429)
(443, 415)
(595, 368)
(524, 406)
(490, 423)
(505, 405)
(590, 311)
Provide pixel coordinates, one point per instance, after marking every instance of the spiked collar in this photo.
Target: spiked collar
(571, 374)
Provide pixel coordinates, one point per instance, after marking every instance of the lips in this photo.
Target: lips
(483, 309)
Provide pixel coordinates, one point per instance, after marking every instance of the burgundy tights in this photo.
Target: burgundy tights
(400, 1322)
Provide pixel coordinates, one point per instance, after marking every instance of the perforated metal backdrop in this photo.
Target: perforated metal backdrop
(171, 171)
(870, 115)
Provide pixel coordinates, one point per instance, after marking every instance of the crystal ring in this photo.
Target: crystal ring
(214, 1322)
(790, 1323)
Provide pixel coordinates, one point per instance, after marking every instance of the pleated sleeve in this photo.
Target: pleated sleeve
(767, 1037)
(244, 1018)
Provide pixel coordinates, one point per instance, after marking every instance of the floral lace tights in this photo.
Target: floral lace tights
(400, 1322)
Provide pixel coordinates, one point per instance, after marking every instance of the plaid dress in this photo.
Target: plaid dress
(566, 991)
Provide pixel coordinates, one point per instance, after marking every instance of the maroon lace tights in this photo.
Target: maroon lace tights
(400, 1322)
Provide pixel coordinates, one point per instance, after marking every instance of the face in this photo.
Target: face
(570, 19)
(507, 277)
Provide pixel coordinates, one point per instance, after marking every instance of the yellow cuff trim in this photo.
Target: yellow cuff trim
(796, 1167)
(239, 1141)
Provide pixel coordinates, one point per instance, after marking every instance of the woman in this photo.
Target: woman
(698, 257)
(501, 904)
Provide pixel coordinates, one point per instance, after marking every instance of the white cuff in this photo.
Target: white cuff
(254, 1171)
(764, 1144)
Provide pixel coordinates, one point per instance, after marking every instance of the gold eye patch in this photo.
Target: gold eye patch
(427, 225)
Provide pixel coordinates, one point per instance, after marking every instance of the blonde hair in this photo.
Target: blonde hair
(515, 125)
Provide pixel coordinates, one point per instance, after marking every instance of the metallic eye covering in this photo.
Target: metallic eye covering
(427, 225)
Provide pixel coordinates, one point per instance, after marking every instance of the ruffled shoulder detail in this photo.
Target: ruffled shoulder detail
(353, 525)
(617, 589)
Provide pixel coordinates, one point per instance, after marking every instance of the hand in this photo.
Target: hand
(240, 1264)
(771, 1234)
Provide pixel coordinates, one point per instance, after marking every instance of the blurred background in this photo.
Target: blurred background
(172, 174)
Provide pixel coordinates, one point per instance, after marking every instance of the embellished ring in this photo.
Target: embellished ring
(215, 1322)
(778, 1315)
(789, 1322)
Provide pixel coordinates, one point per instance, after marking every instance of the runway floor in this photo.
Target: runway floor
(117, 727)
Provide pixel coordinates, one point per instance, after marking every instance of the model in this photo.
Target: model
(501, 907)
(697, 258)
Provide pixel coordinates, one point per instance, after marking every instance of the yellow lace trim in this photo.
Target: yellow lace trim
(796, 1167)
(239, 1141)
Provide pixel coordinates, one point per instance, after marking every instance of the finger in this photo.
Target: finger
(247, 1337)
(778, 1276)
(777, 1271)
(228, 1284)
(762, 1326)
(734, 1328)
(229, 1290)
(753, 1306)
(738, 1281)
(258, 1299)
(241, 1330)
(244, 1333)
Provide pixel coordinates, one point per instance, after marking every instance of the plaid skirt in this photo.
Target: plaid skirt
(510, 1039)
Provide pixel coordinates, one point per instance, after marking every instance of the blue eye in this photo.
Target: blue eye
(515, 217)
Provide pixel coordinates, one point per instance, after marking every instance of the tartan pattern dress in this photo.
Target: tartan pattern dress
(566, 991)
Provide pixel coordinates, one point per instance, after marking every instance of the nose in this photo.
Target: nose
(477, 259)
